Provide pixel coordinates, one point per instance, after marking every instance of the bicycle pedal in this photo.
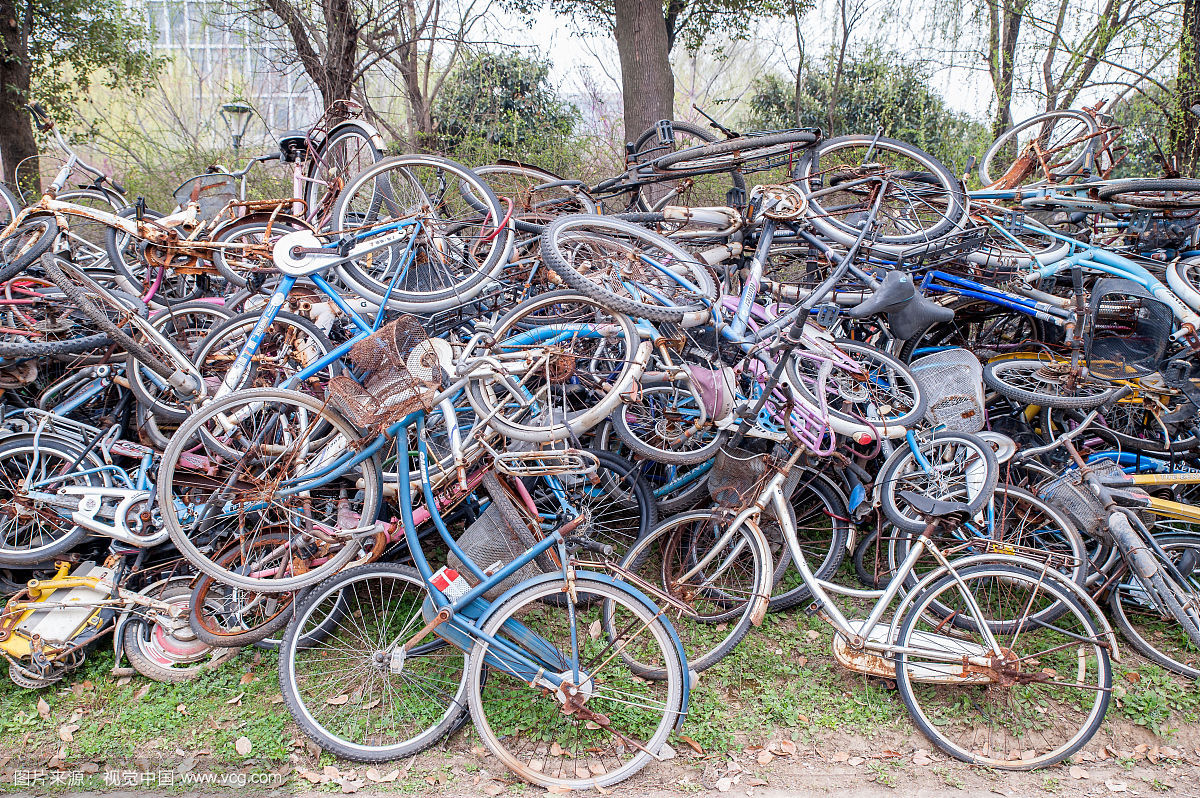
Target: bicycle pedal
(827, 314)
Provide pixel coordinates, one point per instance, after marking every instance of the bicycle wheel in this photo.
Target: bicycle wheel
(617, 504)
(33, 532)
(922, 201)
(627, 267)
(945, 464)
(598, 728)
(1158, 194)
(1043, 382)
(289, 345)
(822, 525)
(163, 648)
(675, 488)
(228, 617)
(538, 197)
(236, 261)
(1045, 147)
(227, 473)
(1014, 522)
(565, 360)
(1158, 615)
(162, 287)
(344, 153)
(882, 391)
(702, 190)
(711, 595)
(349, 682)
(39, 321)
(25, 245)
(749, 153)
(458, 233)
(84, 235)
(185, 325)
(664, 422)
(1033, 702)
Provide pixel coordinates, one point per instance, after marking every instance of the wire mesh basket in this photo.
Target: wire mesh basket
(401, 370)
(1129, 330)
(738, 476)
(490, 540)
(1070, 496)
(952, 381)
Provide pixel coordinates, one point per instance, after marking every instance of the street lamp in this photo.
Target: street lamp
(237, 119)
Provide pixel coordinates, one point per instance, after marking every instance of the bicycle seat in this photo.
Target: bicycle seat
(935, 508)
(893, 293)
(916, 316)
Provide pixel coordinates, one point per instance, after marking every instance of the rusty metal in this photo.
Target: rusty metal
(437, 620)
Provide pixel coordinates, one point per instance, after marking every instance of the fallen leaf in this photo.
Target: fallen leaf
(802, 719)
(723, 784)
(1077, 772)
(243, 745)
(855, 761)
(312, 748)
(309, 776)
(594, 630)
(43, 708)
(276, 699)
(692, 744)
(492, 788)
(753, 782)
(839, 756)
(90, 767)
(124, 680)
(338, 700)
(181, 709)
(1133, 677)
(247, 677)
(556, 749)
(141, 692)
(813, 634)
(1116, 786)
(558, 789)
(186, 766)
(765, 757)
(801, 661)
(351, 786)
(331, 772)
(66, 733)
(787, 747)
(236, 700)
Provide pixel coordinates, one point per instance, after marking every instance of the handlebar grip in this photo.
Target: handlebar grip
(40, 115)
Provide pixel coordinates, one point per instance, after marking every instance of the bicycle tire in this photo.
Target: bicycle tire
(44, 230)
(739, 607)
(1135, 637)
(297, 640)
(548, 771)
(48, 448)
(660, 454)
(556, 257)
(998, 374)
(979, 452)
(1092, 629)
(947, 187)
(985, 168)
(183, 441)
(1131, 192)
(737, 181)
(207, 624)
(904, 417)
(147, 653)
(462, 289)
(314, 187)
(737, 152)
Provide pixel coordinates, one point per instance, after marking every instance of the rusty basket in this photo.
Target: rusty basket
(400, 370)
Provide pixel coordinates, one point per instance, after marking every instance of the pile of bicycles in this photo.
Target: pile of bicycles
(493, 445)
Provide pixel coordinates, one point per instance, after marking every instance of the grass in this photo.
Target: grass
(780, 682)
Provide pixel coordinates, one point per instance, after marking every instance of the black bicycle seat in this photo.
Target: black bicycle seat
(916, 316)
(935, 508)
(895, 291)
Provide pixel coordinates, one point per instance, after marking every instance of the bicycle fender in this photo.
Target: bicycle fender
(1008, 559)
(633, 591)
(372, 133)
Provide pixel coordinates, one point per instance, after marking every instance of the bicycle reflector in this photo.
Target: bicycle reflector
(1128, 331)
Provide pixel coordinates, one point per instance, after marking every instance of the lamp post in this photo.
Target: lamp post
(237, 118)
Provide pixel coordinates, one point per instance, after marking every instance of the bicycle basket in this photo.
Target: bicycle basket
(401, 370)
(489, 540)
(952, 380)
(211, 192)
(1129, 329)
(738, 475)
(1069, 496)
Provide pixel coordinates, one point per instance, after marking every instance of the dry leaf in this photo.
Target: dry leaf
(765, 757)
(855, 761)
(43, 708)
(312, 748)
(1116, 786)
(1077, 772)
(66, 733)
(276, 699)
(753, 782)
(723, 784)
(309, 776)
(90, 767)
(331, 772)
(813, 634)
(124, 680)
(351, 786)
(243, 745)
(839, 756)
(787, 747)
(186, 766)
(666, 752)
(492, 788)
(594, 629)
(801, 661)
(236, 700)
(558, 789)
(337, 700)
(695, 746)
(382, 778)
(141, 692)
(246, 678)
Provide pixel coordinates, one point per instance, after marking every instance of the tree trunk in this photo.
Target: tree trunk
(16, 126)
(647, 85)
(1185, 129)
